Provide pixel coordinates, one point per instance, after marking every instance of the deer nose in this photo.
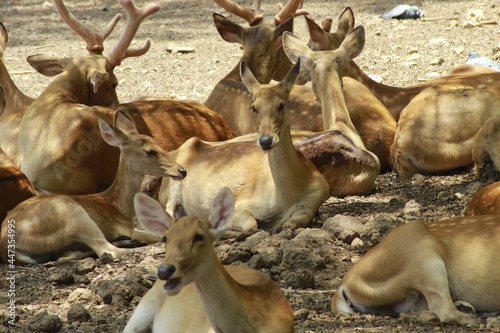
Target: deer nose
(266, 142)
(182, 172)
(165, 271)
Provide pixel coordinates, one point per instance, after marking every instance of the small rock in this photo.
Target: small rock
(105, 290)
(83, 296)
(85, 266)
(298, 279)
(436, 61)
(345, 228)
(77, 313)
(106, 258)
(357, 243)
(493, 322)
(295, 256)
(444, 196)
(64, 277)
(436, 41)
(44, 322)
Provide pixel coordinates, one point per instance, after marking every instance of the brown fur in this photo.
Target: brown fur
(428, 265)
(486, 201)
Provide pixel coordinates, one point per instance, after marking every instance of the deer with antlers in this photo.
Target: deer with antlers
(373, 122)
(421, 266)
(62, 150)
(274, 184)
(48, 226)
(193, 285)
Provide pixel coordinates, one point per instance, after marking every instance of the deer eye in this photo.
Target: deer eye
(164, 239)
(254, 110)
(114, 85)
(198, 238)
(151, 153)
(281, 107)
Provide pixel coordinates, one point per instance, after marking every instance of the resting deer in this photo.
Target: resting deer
(325, 68)
(193, 284)
(62, 151)
(486, 201)
(421, 266)
(431, 136)
(47, 226)
(263, 52)
(14, 186)
(394, 98)
(273, 183)
(485, 149)
(13, 103)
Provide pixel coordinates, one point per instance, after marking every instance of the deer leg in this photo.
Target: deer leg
(299, 219)
(145, 237)
(143, 316)
(436, 291)
(244, 220)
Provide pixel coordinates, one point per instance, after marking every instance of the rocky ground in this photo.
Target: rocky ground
(100, 295)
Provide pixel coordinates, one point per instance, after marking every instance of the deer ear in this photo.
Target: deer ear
(112, 135)
(124, 123)
(317, 34)
(345, 23)
(354, 42)
(47, 65)
(248, 78)
(97, 78)
(295, 48)
(3, 100)
(289, 80)
(229, 31)
(222, 210)
(150, 214)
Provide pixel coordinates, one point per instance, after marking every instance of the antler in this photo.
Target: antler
(249, 15)
(252, 16)
(291, 8)
(135, 15)
(95, 41)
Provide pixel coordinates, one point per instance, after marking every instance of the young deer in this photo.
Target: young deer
(325, 68)
(62, 150)
(193, 284)
(47, 226)
(486, 201)
(272, 182)
(422, 266)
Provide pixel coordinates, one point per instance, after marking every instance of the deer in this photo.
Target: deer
(194, 286)
(61, 148)
(427, 140)
(325, 68)
(394, 98)
(14, 186)
(305, 112)
(274, 184)
(485, 149)
(47, 226)
(420, 266)
(13, 104)
(486, 201)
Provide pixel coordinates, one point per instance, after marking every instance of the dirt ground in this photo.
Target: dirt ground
(308, 263)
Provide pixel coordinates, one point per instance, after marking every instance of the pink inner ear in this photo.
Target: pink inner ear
(156, 226)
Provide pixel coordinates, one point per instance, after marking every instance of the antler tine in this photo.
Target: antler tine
(326, 24)
(95, 41)
(291, 8)
(135, 16)
(249, 15)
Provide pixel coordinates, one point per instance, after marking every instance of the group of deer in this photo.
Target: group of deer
(254, 155)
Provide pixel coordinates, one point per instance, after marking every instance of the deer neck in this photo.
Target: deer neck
(334, 109)
(394, 98)
(222, 298)
(284, 162)
(16, 101)
(66, 88)
(121, 192)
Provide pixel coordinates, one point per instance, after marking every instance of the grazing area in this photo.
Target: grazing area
(186, 60)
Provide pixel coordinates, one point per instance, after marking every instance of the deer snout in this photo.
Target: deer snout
(165, 272)
(266, 142)
(183, 173)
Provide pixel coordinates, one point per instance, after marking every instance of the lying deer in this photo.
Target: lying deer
(272, 182)
(263, 52)
(421, 266)
(325, 68)
(394, 98)
(486, 201)
(431, 136)
(14, 186)
(13, 103)
(193, 284)
(485, 149)
(48, 226)
(62, 150)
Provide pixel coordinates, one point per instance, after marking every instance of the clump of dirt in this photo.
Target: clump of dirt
(99, 295)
